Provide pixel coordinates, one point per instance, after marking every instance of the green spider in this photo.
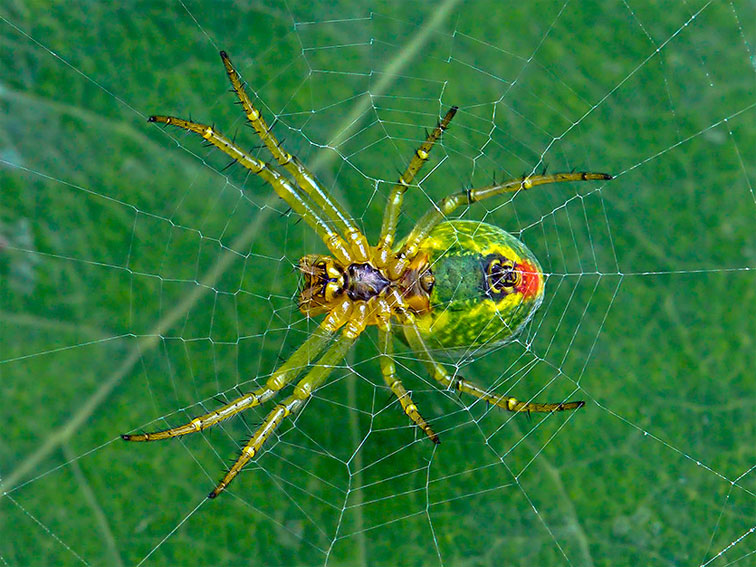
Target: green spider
(449, 284)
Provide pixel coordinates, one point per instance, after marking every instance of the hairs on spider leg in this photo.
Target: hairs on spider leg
(255, 149)
(232, 162)
(389, 399)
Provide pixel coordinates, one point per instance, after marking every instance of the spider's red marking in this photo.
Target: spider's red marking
(531, 280)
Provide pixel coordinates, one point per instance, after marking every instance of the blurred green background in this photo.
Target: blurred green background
(140, 284)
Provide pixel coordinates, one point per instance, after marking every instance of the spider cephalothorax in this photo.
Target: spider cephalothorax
(450, 285)
(326, 281)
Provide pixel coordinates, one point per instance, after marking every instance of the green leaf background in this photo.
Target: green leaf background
(140, 284)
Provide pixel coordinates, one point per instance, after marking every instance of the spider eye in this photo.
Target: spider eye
(502, 275)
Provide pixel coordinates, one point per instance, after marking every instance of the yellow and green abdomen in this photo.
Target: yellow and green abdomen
(487, 286)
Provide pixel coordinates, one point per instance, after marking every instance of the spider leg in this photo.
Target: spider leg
(440, 374)
(304, 178)
(301, 204)
(302, 392)
(388, 369)
(449, 204)
(287, 372)
(396, 197)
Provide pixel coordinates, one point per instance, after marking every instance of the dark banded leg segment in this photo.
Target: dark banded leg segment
(304, 178)
(448, 205)
(439, 373)
(287, 372)
(388, 369)
(396, 197)
(293, 196)
(302, 392)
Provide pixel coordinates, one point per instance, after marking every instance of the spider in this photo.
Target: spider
(446, 286)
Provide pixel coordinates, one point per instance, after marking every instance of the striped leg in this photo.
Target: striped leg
(448, 205)
(396, 197)
(302, 392)
(439, 373)
(301, 204)
(388, 369)
(306, 180)
(287, 372)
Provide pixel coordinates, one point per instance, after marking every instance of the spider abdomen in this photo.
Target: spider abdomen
(487, 285)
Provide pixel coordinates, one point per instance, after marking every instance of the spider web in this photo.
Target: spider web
(142, 284)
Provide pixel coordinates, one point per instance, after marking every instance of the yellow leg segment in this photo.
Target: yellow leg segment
(298, 171)
(301, 204)
(287, 372)
(396, 197)
(303, 390)
(448, 205)
(388, 369)
(440, 374)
